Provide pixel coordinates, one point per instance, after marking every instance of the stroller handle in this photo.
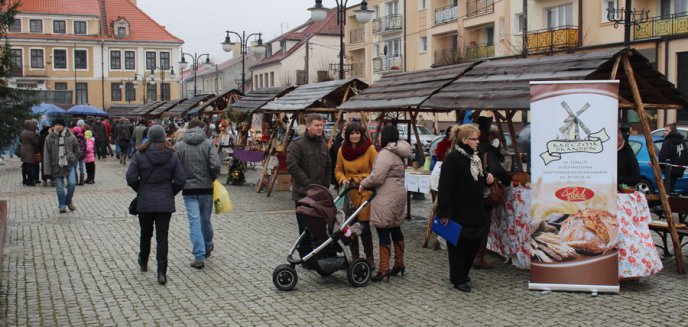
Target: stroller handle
(351, 187)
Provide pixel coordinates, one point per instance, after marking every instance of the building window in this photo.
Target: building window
(36, 26)
(129, 60)
(152, 92)
(423, 44)
(60, 86)
(165, 92)
(15, 27)
(272, 79)
(130, 91)
(150, 60)
(79, 28)
(121, 31)
(16, 61)
(261, 80)
(165, 60)
(81, 93)
(116, 91)
(36, 58)
(422, 4)
(59, 27)
(59, 59)
(80, 59)
(116, 59)
(520, 23)
(607, 7)
(559, 16)
(255, 81)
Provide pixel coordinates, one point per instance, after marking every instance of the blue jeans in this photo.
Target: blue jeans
(132, 148)
(198, 211)
(117, 150)
(80, 165)
(64, 199)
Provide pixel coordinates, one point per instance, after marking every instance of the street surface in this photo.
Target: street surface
(79, 269)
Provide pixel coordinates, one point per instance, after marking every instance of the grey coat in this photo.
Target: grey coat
(163, 175)
(51, 153)
(200, 160)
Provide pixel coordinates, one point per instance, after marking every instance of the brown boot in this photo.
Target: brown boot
(367, 241)
(479, 261)
(398, 259)
(383, 271)
(355, 252)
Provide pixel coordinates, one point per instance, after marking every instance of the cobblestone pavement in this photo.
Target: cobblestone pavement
(80, 269)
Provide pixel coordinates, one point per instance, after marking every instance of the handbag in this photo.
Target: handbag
(133, 205)
(37, 158)
(450, 232)
(495, 197)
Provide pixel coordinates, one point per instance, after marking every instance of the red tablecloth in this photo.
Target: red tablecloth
(638, 257)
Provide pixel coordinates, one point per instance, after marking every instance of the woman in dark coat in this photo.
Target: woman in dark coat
(156, 174)
(29, 148)
(461, 192)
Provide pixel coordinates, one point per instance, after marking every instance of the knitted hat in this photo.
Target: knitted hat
(80, 123)
(484, 123)
(156, 134)
(59, 121)
(88, 135)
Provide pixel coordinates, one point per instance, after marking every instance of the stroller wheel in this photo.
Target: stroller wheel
(284, 277)
(359, 272)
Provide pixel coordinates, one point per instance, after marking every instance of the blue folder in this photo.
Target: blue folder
(450, 232)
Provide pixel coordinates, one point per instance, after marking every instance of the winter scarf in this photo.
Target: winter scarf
(61, 152)
(351, 153)
(476, 165)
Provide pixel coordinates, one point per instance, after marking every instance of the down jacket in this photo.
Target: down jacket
(29, 142)
(308, 161)
(163, 175)
(387, 178)
(200, 161)
(354, 171)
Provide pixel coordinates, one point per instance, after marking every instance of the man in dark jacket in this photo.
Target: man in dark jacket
(100, 133)
(61, 153)
(627, 168)
(308, 162)
(201, 166)
(674, 150)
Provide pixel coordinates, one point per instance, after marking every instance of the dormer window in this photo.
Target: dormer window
(283, 46)
(121, 28)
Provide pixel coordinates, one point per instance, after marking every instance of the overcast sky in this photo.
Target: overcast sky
(202, 23)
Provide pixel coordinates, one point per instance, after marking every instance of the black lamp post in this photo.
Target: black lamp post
(363, 15)
(162, 70)
(243, 41)
(195, 58)
(135, 82)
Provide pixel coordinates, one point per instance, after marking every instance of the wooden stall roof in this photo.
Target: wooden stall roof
(256, 99)
(405, 90)
(505, 83)
(122, 110)
(165, 107)
(323, 96)
(189, 104)
(147, 107)
(219, 102)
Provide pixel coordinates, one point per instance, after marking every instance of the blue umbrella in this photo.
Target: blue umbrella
(47, 109)
(86, 110)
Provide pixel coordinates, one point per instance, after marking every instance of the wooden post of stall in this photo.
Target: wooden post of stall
(638, 102)
(514, 143)
(428, 225)
(286, 141)
(266, 161)
(419, 144)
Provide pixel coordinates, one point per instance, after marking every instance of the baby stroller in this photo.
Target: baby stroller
(330, 238)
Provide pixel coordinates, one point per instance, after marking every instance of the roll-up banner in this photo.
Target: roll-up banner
(573, 156)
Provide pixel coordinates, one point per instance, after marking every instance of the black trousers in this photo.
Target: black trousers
(101, 149)
(461, 258)
(387, 235)
(27, 173)
(91, 171)
(162, 227)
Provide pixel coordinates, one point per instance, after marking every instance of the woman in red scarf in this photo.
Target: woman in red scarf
(354, 163)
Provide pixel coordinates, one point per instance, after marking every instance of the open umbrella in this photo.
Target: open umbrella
(47, 109)
(86, 110)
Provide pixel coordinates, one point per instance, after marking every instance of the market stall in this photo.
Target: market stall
(145, 108)
(216, 105)
(323, 97)
(181, 109)
(123, 110)
(503, 86)
(158, 111)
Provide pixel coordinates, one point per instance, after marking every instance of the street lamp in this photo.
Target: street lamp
(135, 82)
(363, 15)
(162, 70)
(243, 41)
(195, 58)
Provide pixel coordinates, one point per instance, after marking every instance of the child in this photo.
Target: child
(90, 157)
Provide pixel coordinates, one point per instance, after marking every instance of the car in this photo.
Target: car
(648, 184)
(426, 137)
(660, 132)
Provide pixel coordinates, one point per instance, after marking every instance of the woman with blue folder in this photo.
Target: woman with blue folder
(462, 187)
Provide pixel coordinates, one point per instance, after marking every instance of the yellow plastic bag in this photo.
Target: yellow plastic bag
(221, 201)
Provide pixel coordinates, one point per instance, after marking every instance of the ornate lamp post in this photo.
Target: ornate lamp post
(363, 15)
(195, 59)
(162, 70)
(135, 82)
(243, 41)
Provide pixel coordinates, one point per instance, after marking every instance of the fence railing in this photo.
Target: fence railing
(447, 57)
(479, 51)
(357, 35)
(555, 38)
(479, 7)
(387, 23)
(662, 26)
(384, 64)
(446, 14)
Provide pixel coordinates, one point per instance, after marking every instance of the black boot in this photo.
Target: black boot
(143, 262)
(81, 180)
(162, 272)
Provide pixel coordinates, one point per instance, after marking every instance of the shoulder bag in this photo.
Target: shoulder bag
(133, 206)
(496, 196)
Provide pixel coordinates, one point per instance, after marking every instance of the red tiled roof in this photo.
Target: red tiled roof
(142, 27)
(60, 7)
(327, 27)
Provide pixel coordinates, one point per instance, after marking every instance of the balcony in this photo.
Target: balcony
(446, 57)
(358, 69)
(479, 7)
(662, 26)
(357, 35)
(551, 39)
(479, 51)
(386, 64)
(54, 96)
(446, 15)
(387, 24)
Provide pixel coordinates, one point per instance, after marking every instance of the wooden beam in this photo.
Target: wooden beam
(655, 164)
(514, 143)
(615, 68)
(428, 225)
(419, 144)
(630, 105)
(498, 121)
